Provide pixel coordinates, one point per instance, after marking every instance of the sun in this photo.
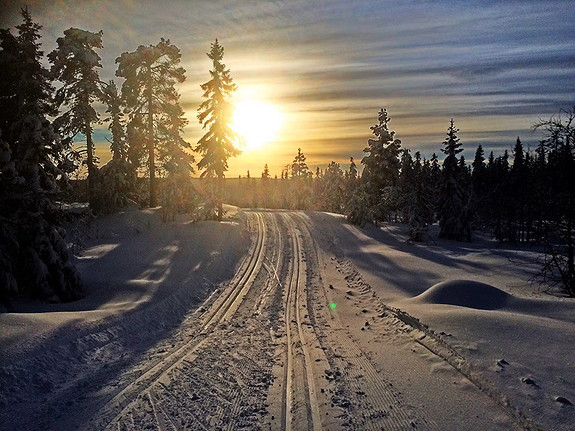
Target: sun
(258, 122)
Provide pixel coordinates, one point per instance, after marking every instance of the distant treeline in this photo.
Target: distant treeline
(526, 197)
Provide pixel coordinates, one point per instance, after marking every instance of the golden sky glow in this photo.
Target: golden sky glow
(258, 122)
(328, 67)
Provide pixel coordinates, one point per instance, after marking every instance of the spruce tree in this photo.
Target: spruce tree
(266, 173)
(115, 107)
(381, 168)
(518, 189)
(406, 183)
(453, 214)
(75, 64)
(332, 189)
(220, 142)
(352, 173)
(299, 184)
(559, 215)
(33, 254)
(419, 204)
(155, 115)
(499, 202)
(434, 176)
(299, 168)
(117, 178)
(479, 187)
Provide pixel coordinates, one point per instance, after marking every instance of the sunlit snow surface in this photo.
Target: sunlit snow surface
(476, 296)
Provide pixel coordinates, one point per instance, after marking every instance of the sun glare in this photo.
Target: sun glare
(258, 122)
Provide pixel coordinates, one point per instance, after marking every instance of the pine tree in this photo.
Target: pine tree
(299, 168)
(559, 216)
(381, 168)
(155, 115)
(352, 169)
(299, 184)
(215, 113)
(114, 104)
(419, 205)
(33, 254)
(332, 189)
(479, 187)
(75, 64)
(454, 213)
(266, 173)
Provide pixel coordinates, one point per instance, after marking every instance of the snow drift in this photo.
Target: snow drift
(465, 293)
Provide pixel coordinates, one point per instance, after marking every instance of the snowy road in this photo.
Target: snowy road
(296, 340)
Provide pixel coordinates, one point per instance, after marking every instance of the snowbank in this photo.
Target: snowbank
(132, 263)
(479, 299)
(464, 293)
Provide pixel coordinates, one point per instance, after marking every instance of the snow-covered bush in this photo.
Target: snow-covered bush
(178, 196)
(115, 181)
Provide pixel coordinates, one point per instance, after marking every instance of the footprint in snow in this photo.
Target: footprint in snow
(529, 381)
(563, 401)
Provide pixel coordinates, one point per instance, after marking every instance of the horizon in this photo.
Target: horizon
(328, 68)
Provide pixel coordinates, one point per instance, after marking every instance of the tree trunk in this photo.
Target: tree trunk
(570, 282)
(90, 163)
(151, 160)
(220, 190)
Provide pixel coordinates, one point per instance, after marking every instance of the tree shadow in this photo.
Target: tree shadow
(398, 268)
(167, 271)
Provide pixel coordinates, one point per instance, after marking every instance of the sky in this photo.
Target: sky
(496, 67)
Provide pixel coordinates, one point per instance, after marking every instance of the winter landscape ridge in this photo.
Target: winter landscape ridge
(437, 335)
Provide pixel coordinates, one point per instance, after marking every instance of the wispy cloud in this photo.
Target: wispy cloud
(495, 66)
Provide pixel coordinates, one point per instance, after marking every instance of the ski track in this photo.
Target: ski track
(360, 385)
(220, 313)
(293, 306)
(265, 352)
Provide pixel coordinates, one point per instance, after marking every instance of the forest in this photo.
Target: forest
(524, 197)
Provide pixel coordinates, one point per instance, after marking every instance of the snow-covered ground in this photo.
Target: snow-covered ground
(519, 341)
(464, 307)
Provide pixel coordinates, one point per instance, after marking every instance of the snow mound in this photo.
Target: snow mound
(465, 293)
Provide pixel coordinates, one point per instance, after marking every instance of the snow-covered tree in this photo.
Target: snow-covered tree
(33, 254)
(559, 200)
(352, 173)
(75, 64)
(115, 107)
(300, 185)
(454, 217)
(299, 168)
(332, 190)
(116, 179)
(220, 142)
(155, 115)
(381, 168)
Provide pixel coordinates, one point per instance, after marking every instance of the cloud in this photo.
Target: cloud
(330, 66)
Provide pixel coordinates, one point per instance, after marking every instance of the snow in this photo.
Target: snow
(480, 297)
(464, 293)
(133, 265)
(476, 298)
